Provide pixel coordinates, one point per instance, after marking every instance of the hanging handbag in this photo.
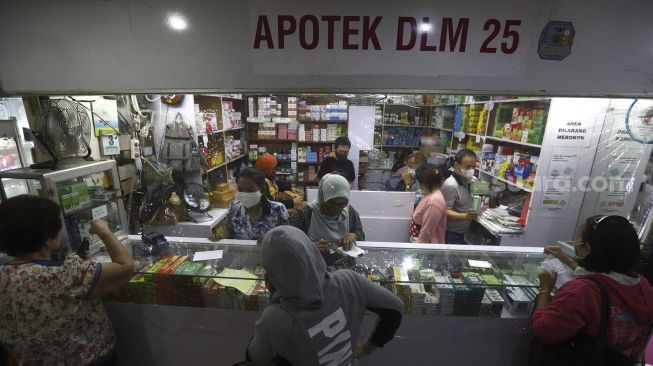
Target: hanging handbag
(582, 350)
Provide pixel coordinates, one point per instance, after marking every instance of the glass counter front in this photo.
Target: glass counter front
(430, 279)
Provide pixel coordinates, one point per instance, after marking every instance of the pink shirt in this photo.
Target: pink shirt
(431, 213)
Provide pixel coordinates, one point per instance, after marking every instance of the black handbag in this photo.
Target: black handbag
(582, 350)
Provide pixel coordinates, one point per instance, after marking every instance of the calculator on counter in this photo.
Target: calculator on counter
(337, 257)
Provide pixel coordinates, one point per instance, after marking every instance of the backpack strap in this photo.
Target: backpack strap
(605, 308)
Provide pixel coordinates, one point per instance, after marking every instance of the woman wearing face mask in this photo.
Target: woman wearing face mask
(457, 193)
(330, 218)
(608, 251)
(252, 214)
(430, 216)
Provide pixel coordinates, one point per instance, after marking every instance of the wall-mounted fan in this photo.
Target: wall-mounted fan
(65, 129)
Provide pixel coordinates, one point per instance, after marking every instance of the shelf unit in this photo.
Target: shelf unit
(288, 115)
(529, 190)
(502, 140)
(216, 140)
(444, 116)
(224, 164)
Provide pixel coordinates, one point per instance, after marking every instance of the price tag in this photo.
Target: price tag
(207, 255)
(100, 212)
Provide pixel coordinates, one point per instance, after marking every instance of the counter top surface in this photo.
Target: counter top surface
(370, 245)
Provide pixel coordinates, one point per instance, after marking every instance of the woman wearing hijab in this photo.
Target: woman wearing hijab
(267, 164)
(330, 218)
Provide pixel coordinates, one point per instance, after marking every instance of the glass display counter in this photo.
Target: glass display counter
(210, 307)
(84, 190)
(430, 279)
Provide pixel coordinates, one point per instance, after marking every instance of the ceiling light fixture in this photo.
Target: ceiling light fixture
(176, 21)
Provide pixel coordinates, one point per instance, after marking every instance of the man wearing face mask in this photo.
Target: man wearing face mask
(252, 214)
(340, 163)
(457, 192)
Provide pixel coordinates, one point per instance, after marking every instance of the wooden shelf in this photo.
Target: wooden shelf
(530, 190)
(513, 142)
(307, 163)
(225, 163)
(442, 129)
(472, 134)
(235, 129)
(316, 142)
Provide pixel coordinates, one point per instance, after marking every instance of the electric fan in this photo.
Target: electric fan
(66, 130)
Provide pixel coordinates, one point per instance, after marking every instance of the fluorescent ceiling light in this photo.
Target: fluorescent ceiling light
(425, 27)
(177, 22)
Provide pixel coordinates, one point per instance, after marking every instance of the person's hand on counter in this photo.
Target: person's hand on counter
(347, 241)
(323, 246)
(470, 214)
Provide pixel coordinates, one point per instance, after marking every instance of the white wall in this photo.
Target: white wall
(112, 47)
(361, 133)
(544, 226)
(614, 153)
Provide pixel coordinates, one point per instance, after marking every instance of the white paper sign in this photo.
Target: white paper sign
(355, 251)
(207, 255)
(557, 195)
(100, 212)
(110, 144)
(564, 162)
(479, 264)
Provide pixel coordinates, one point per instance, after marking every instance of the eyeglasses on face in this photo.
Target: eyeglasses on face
(336, 205)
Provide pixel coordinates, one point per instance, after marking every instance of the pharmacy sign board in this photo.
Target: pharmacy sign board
(548, 47)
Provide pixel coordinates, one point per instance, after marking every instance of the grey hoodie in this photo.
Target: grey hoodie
(315, 316)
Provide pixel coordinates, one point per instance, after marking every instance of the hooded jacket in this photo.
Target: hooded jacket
(315, 316)
(576, 309)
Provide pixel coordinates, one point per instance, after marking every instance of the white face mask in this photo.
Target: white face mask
(468, 174)
(249, 199)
